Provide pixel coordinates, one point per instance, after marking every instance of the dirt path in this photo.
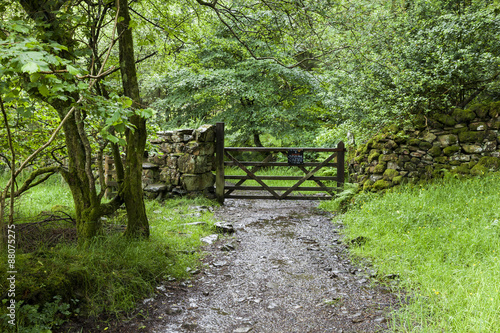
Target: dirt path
(281, 271)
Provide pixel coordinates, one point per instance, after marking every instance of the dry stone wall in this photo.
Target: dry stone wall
(183, 164)
(464, 142)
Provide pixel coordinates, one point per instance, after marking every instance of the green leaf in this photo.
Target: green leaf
(31, 67)
(44, 90)
(72, 70)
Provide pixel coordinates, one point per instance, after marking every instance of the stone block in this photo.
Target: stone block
(447, 140)
(461, 158)
(472, 148)
(170, 176)
(167, 147)
(197, 182)
(205, 133)
(200, 148)
(194, 164)
(479, 126)
(489, 146)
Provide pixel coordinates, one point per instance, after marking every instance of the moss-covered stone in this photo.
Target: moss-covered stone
(379, 168)
(472, 136)
(413, 142)
(398, 180)
(457, 131)
(463, 169)
(435, 151)
(480, 109)
(381, 185)
(448, 151)
(490, 162)
(447, 140)
(374, 154)
(425, 145)
(479, 170)
(463, 116)
(409, 166)
(494, 109)
(389, 174)
(445, 119)
(387, 157)
(367, 185)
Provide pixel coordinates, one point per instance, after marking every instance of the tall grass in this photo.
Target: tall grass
(444, 242)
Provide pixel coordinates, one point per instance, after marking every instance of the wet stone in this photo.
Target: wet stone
(245, 329)
(224, 227)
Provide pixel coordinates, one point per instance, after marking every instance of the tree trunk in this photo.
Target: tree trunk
(138, 225)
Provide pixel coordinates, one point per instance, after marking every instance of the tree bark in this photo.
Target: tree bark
(132, 193)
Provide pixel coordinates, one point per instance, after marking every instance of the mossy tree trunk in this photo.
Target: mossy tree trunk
(138, 225)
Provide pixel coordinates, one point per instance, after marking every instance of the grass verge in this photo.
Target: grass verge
(443, 240)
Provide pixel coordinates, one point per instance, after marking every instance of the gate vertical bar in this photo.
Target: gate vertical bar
(219, 162)
(340, 165)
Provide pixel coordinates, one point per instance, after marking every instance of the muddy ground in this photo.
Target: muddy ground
(284, 269)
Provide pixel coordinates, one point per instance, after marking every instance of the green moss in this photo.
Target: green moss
(381, 185)
(425, 145)
(374, 154)
(472, 136)
(463, 116)
(479, 170)
(435, 151)
(441, 160)
(359, 158)
(445, 119)
(489, 162)
(457, 131)
(397, 180)
(389, 174)
(413, 142)
(494, 109)
(462, 169)
(448, 151)
(379, 168)
(480, 109)
(367, 185)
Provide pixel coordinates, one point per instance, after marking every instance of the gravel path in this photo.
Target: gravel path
(283, 270)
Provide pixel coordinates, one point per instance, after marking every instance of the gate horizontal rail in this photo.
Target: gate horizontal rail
(336, 160)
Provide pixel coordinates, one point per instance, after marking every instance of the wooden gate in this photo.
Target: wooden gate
(295, 159)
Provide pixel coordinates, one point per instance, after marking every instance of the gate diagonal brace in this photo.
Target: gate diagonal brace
(321, 185)
(253, 170)
(251, 175)
(306, 177)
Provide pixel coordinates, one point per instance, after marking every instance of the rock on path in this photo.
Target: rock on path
(283, 270)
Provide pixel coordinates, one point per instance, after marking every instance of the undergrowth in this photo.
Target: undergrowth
(111, 275)
(443, 240)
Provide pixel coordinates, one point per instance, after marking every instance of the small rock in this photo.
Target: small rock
(362, 281)
(148, 300)
(224, 227)
(194, 223)
(391, 276)
(173, 310)
(245, 329)
(206, 293)
(272, 306)
(210, 239)
(380, 320)
(189, 326)
(161, 288)
(219, 263)
(228, 247)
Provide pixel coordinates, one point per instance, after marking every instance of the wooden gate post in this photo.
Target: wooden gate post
(219, 162)
(340, 166)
